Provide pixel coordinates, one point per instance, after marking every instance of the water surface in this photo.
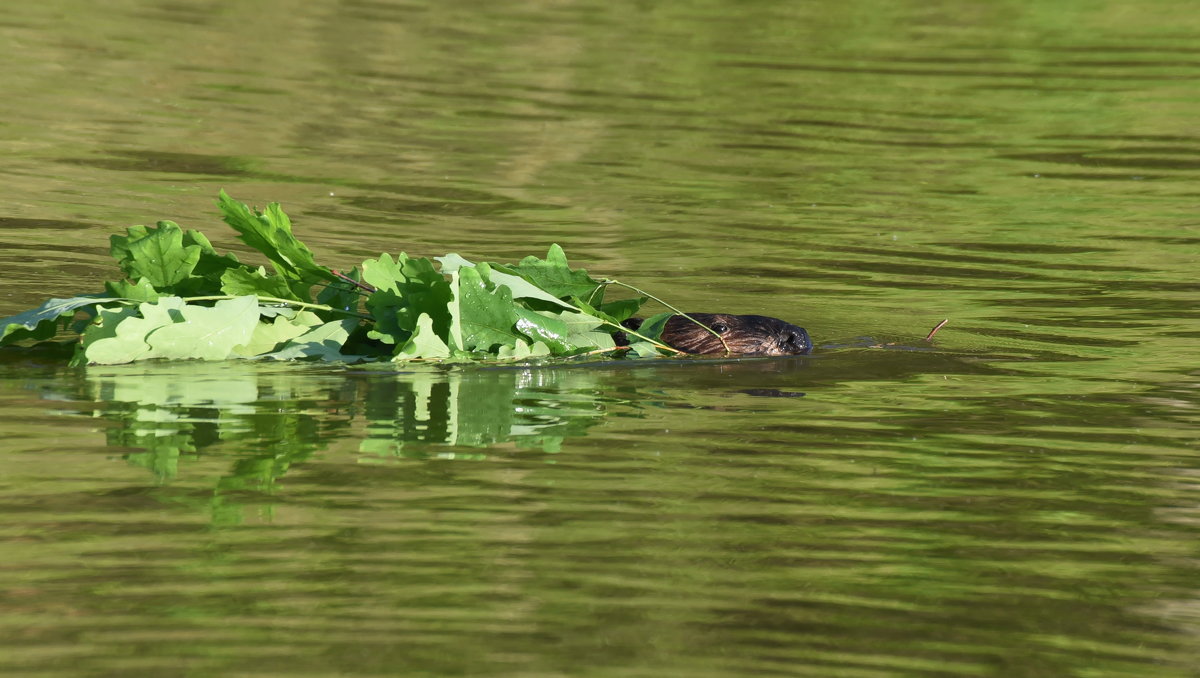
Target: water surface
(1016, 498)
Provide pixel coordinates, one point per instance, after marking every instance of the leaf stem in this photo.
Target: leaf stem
(626, 330)
(289, 302)
(273, 300)
(647, 294)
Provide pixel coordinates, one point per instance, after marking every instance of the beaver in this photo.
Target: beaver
(743, 334)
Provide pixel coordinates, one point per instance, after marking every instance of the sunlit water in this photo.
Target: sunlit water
(1018, 497)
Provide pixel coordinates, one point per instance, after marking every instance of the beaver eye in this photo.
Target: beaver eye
(720, 328)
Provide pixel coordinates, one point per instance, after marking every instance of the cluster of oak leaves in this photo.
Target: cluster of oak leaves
(180, 299)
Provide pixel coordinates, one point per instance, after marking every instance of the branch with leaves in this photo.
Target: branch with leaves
(179, 298)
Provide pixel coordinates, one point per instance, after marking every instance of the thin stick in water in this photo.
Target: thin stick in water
(939, 326)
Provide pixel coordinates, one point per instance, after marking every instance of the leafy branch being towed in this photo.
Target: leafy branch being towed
(180, 299)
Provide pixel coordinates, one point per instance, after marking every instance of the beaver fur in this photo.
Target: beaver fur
(753, 335)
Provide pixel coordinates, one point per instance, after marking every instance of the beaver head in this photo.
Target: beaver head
(743, 334)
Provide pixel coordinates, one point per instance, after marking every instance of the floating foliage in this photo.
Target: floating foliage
(179, 299)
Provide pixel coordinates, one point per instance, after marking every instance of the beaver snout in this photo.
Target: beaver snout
(795, 340)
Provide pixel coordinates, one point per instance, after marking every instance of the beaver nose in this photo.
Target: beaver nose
(796, 340)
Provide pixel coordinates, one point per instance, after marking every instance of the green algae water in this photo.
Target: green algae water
(1017, 497)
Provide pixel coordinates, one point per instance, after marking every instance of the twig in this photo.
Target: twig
(601, 350)
(935, 329)
(702, 325)
(352, 281)
(273, 300)
(657, 344)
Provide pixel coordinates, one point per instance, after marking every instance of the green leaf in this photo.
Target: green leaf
(520, 287)
(556, 277)
(645, 349)
(119, 245)
(171, 328)
(624, 309)
(156, 254)
(485, 319)
(563, 333)
(207, 333)
(41, 323)
(582, 323)
(405, 289)
(521, 350)
(211, 264)
(394, 321)
(241, 281)
(142, 290)
(427, 291)
(653, 326)
(119, 336)
(424, 343)
(268, 337)
(104, 325)
(324, 342)
(546, 328)
(452, 262)
(270, 232)
(384, 273)
(489, 319)
(171, 261)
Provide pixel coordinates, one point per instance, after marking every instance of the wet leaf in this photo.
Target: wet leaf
(41, 323)
(119, 336)
(424, 343)
(564, 333)
(323, 342)
(207, 333)
(522, 349)
(269, 336)
(486, 320)
(644, 349)
(171, 328)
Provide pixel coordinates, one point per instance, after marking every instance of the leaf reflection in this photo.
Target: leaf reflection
(265, 418)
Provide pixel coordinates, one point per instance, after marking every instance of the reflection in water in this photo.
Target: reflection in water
(264, 419)
(270, 418)
(172, 407)
(173, 412)
(530, 407)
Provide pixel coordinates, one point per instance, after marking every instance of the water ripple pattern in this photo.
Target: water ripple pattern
(1017, 497)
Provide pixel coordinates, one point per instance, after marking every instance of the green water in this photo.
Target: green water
(1018, 498)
